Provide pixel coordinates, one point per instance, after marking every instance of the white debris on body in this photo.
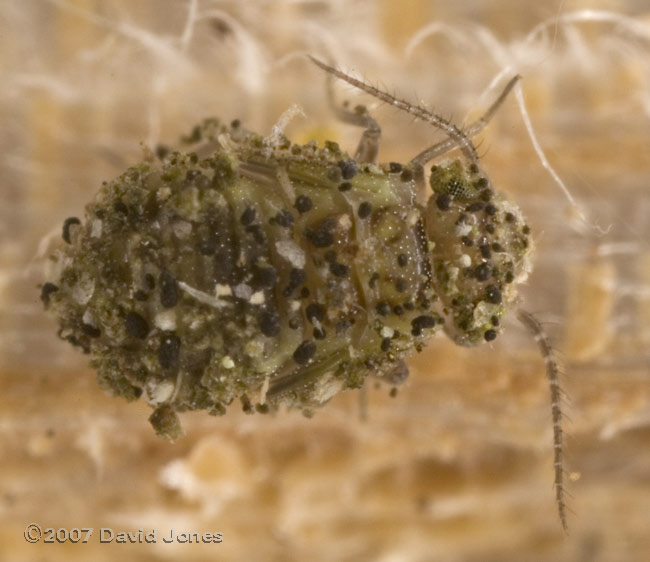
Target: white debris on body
(291, 252)
(201, 296)
(165, 320)
(161, 392)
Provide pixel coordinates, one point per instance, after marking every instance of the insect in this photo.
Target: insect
(255, 269)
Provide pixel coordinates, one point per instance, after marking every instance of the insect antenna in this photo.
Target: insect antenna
(470, 131)
(459, 137)
(552, 371)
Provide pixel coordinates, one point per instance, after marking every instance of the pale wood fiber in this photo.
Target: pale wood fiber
(458, 465)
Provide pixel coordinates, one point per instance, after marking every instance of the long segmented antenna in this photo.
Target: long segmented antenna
(535, 328)
(418, 112)
(469, 131)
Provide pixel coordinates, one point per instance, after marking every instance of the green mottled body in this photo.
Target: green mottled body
(251, 269)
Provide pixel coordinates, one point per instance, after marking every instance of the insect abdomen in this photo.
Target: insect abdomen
(273, 274)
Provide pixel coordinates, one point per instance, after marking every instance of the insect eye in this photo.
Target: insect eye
(456, 180)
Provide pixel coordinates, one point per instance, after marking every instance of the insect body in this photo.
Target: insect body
(276, 273)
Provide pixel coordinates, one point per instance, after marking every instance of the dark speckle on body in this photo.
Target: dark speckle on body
(304, 352)
(46, 291)
(168, 290)
(136, 326)
(66, 227)
(169, 351)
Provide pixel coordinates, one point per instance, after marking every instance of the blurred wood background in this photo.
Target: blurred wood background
(458, 466)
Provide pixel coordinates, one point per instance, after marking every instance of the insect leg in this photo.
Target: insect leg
(418, 112)
(473, 129)
(394, 377)
(535, 328)
(368, 147)
(397, 375)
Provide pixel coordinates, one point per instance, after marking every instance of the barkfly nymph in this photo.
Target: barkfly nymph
(252, 268)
